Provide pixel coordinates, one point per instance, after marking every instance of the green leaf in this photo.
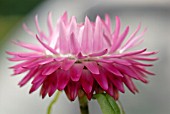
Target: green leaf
(107, 104)
(113, 104)
(121, 107)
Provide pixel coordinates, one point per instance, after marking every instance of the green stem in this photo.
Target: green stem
(83, 102)
(53, 102)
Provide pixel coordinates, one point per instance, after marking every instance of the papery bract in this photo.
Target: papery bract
(86, 56)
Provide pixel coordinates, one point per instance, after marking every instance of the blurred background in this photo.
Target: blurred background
(153, 98)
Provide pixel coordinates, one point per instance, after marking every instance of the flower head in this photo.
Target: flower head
(82, 56)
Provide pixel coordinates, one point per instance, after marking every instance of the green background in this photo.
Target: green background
(11, 12)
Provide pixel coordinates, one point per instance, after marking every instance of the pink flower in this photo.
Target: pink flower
(86, 56)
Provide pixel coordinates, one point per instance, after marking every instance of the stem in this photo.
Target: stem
(53, 102)
(83, 102)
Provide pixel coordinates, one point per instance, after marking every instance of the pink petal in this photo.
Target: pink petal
(127, 70)
(99, 53)
(28, 77)
(38, 83)
(125, 54)
(46, 61)
(136, 31)
(87, 38)
(108, 22)
(116, 82)
(53, 85)
(119, 85)
(122, 37)
(67, 63)
(62, 79)
(30, 55)
(73, 25)
(117, 29)
(134, 52)
(111, 69)
(119, 40)
(145, 71)
(49, 85)
(28, 30)
(107, 38)
(122, 61)
(113, 56)
(32, 64)
(49, 22)
(101, 79)
(74, 45)
(104, 60)
(92, 67)
(63, 41)
(46, 46)
(37, 24)
(44, 89)
(132, 42)
(50, 69)
(87, 81)
(89, 96)
(51, 90)
(112, 91)
(64, 18)
(36, 62)
(20, 65)
(129, 83)
(59, 59)
(19, 71)
(133, 35)
(76, 71)
(81, 56)
(142, 78)
(107, 35)
(144, 58)
(40, 32)
(148, 53)
(80, 34)
(139, 63)
(39, 77)
(16, 59)
(25, 54)
(98, 35)
(116, 94)
(30, 46)
(72, 90)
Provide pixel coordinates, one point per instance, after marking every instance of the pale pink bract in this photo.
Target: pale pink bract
(86, 56)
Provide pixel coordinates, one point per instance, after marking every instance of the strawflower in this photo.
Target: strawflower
(82, 58)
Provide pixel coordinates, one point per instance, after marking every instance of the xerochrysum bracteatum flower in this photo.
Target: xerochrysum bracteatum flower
(85, 56)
